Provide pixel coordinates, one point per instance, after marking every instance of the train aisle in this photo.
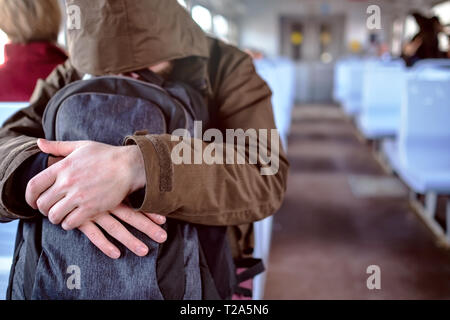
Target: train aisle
(342, 214)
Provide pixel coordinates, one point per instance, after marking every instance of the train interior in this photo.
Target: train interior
(367, 136)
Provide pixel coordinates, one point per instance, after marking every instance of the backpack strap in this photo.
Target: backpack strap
(213, 69)
(216, 249)
(149, 76)
(252, 267)
(33, 251)
(213, 66)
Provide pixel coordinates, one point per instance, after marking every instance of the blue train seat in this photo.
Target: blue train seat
(7, 109)
(348, 84)
(421, 153)
(383, 83)
(279, 73)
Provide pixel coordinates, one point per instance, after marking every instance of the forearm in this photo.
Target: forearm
(18, 182)
(210, 194)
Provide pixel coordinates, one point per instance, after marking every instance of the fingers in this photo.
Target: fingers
(59, 148)
(156, 218)
(98, 239)
(47, 200)
(38, 185)
(60, 210)
(75, 218)
(143, 222)
(119, 232)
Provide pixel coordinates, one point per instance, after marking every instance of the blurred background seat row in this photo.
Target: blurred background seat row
(406, 112)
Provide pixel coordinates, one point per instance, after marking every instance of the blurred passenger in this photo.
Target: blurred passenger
(425, 44)
(32, 27)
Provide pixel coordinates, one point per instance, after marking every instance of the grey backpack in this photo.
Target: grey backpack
(107, 109)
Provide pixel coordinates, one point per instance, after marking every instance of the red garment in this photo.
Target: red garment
(24, 65)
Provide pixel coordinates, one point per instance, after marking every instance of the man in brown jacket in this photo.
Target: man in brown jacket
(82, 183)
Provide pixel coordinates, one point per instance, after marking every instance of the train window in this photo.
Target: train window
(203, 17)
(397, 37)
(62, 40)
(411, 27)
(221, 26)
(443, 12)
(183, 3)
(233, 33)
(3, 41)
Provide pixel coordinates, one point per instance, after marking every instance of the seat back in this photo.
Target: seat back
(431, 64)
(342, 78)
(279, 74)
(339, 80)
(424, 136)
(351, 76)
(383, 83)
(7, 109)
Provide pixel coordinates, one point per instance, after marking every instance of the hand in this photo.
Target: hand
(145, 222)
(148, 223)
(92, 178)
(411, 48)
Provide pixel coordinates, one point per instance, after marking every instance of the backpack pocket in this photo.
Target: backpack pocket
(106, 118)
(71, 267)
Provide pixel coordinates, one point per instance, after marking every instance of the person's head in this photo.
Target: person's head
(438, 27)
(420, 19)
(26, 21)
(118, 37)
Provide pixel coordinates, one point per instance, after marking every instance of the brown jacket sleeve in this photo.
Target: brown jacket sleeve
(218, 194)
(18, 139)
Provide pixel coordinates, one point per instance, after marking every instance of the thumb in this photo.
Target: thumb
(59, 148)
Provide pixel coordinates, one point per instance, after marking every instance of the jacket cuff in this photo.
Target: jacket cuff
(10, 200)
(158, 172)
(27, 171)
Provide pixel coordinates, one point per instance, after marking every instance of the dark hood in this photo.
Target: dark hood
(117, 36)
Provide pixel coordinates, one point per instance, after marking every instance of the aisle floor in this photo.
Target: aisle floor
(326, 234)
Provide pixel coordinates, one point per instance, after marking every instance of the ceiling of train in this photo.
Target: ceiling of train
(239, 7)
(226, 7)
